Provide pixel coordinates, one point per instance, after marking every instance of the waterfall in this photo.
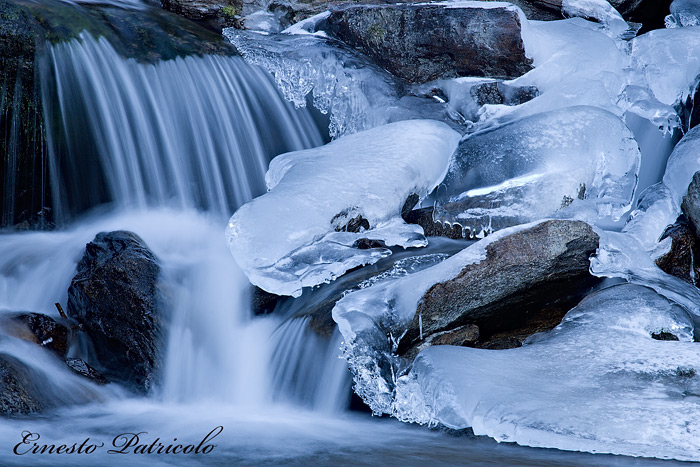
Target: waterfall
(189, 132)
(172, 149)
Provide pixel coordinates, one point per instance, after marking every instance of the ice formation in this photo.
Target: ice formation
(682, 164)
(598, 9)
(655, 211)
(668, 61)
(551, 162)
(684, 13)
(355, 93)
(299, 233)
(366, 317)
(598, 382)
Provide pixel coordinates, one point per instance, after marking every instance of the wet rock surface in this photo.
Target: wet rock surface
(426, 42)
(114, 296)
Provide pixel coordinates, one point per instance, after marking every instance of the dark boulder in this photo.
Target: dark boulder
(682, 259)
(421, 43)
(526, 284)
(40, 329)
(114, 296)
(19, 393)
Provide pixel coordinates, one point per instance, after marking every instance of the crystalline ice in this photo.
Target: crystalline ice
(365, 318)
(298, 233)
(564, 160)
(598, 382)
(598, 9)
(669, 62)
(655, 211)
(684, 13)
(344, 85)
(682, 164)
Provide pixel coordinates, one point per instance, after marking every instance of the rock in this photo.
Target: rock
(262, 302)
(691, 202)
(664, 336)
(424, 218)
(421, 43)
(681, 260)
(213, 14)
(18, 388)
(40, 329)
(114, 296)
(467, 335)
(527, 278)
(81, 368)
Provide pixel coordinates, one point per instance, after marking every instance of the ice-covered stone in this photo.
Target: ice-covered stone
(565, 162)
(684, 13)
(599, 382)
(600, 10)
(682, 165)
(321, 201)
(669, 61)
(353, 92)
(655, 211)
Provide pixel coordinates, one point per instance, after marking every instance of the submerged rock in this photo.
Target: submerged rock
(18, 388)
(525, 277)
(421, 43)
(115, 297)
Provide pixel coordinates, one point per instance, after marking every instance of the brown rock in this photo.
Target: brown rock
(544, 266)
(681, 260)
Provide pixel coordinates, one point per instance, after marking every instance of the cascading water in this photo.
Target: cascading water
(191, 132)
(175, 146)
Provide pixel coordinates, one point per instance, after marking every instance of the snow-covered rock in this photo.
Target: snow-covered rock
(321, 201)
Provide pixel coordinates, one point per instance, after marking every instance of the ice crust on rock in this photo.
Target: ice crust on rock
(669, 62)
(365, 318)
(598, 382)
(566, 162)
(683, 13)
(598, 9)
(682, 165)
(353, 92)
(293, 236)
(655, 211)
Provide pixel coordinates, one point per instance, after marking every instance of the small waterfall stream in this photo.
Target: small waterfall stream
(175, 147)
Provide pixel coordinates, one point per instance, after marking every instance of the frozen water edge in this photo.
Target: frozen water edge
(297, 234)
